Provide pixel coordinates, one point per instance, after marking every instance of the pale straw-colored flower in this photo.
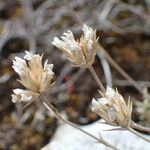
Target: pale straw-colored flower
(112, 108)
(35, 77)
(81, 52)
(23, 95)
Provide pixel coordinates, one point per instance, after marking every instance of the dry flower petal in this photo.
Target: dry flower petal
(23, 95)
(112, 108)
(80, 52)
(33, 75)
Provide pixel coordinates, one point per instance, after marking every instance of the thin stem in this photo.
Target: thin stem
(32, 44)
(96, 78)
(50, 107)
(140, 127)
(138, 134)
(122, 72)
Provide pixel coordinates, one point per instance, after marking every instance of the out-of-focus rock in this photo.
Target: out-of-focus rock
(68, 138)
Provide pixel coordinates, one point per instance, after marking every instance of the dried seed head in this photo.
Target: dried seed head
(112, 108)
(23, 95)
(80, 52)
(33, 76)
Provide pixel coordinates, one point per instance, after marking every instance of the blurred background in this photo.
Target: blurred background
(123, 27)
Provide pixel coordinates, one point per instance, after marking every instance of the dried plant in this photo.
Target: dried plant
(37, 79)
(33, 24)
(82, 51)
(33, 75)
(113, 109)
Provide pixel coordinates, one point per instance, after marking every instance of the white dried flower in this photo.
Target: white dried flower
(23, 95)
(112, 108)
(80, 52)
(33, 76)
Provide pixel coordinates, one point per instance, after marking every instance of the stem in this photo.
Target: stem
(50, 107)
(32, 44)
(96, 78)
(122, 72)
(138, 134)
(140, 127)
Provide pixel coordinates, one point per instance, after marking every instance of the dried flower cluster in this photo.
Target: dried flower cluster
(80, 52)
(37, 78)
(33, 75)
(112, 108)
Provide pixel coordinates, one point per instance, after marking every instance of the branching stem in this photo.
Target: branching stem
(140, 127)
(50, 107)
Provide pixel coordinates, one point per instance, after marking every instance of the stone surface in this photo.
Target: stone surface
(68, 138)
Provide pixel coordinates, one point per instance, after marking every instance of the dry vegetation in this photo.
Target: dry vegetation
(124, 31)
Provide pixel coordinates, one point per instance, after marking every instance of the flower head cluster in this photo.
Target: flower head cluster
(112, 108)
(80, 52)
(33, 75)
